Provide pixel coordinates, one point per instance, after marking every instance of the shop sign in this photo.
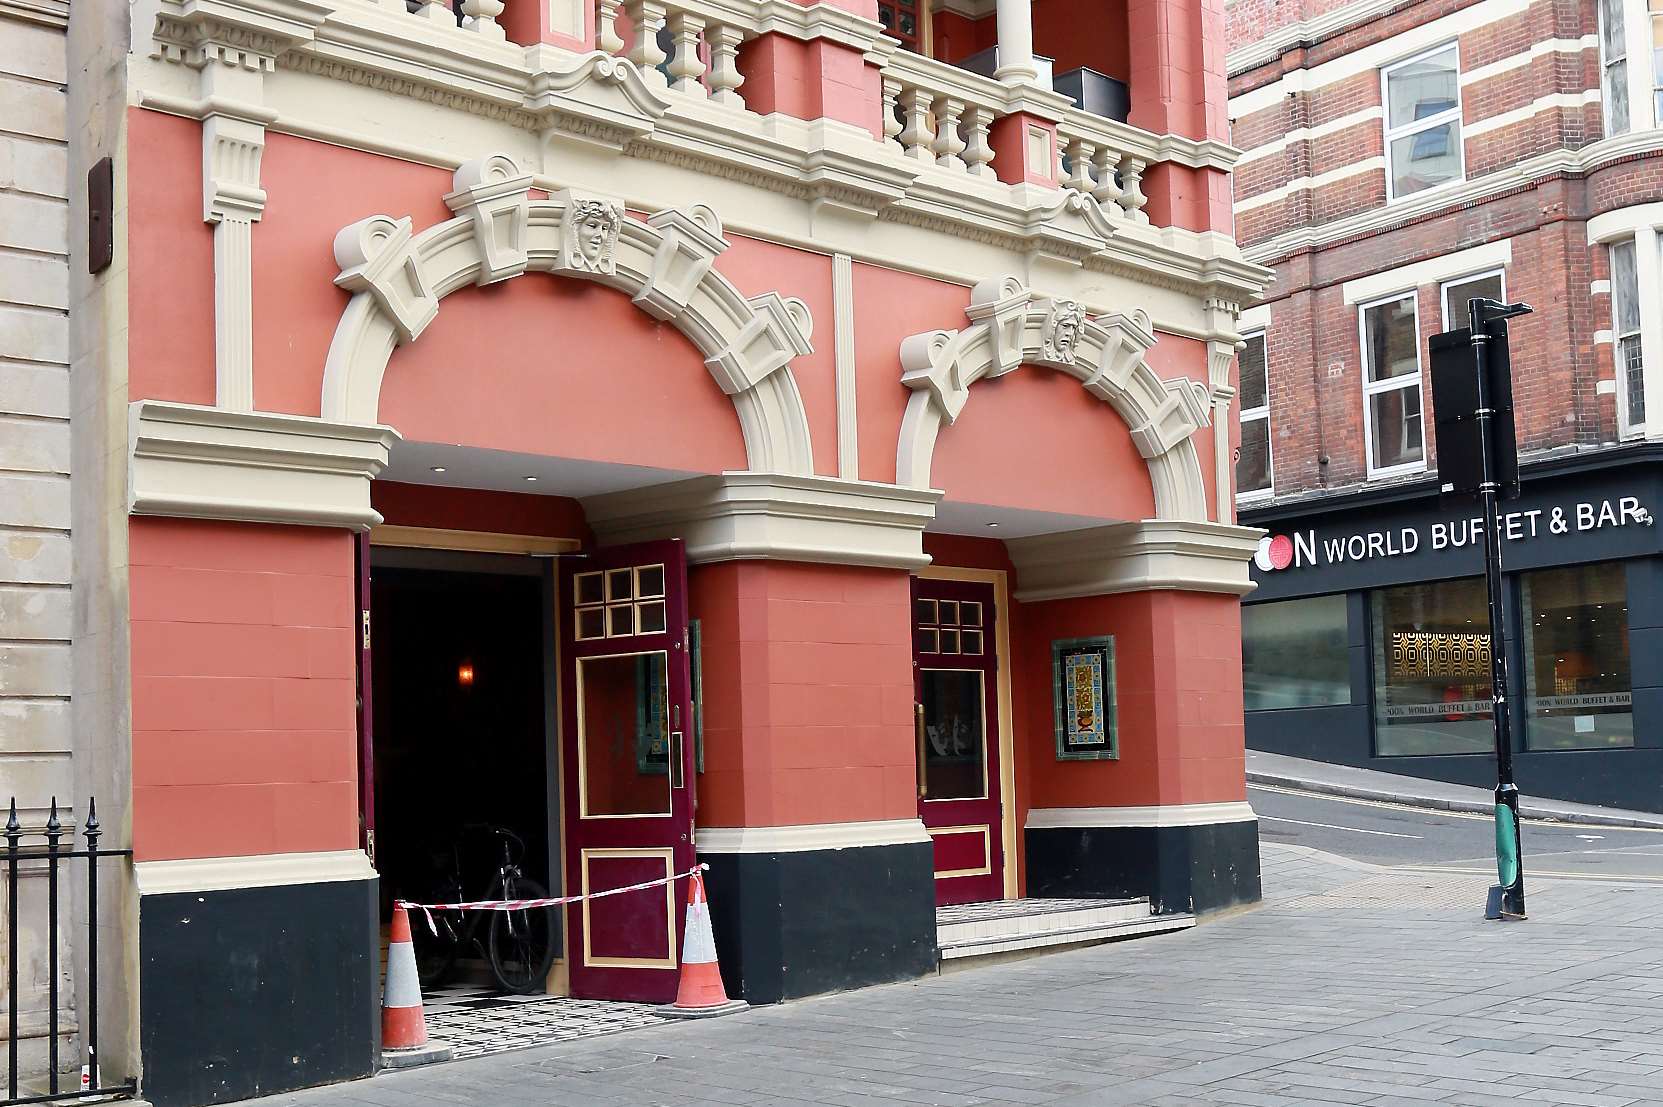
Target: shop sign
(1299, 549)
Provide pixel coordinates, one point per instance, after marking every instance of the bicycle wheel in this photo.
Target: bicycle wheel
(435, 953)
(521, 943)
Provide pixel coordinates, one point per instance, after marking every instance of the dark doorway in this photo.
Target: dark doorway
(462, 710)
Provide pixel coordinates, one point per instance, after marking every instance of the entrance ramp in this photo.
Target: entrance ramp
(969, 931)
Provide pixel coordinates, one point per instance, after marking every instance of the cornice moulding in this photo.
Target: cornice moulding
(768, 516)
(1156, 554)
(48, 13)
(256, 467)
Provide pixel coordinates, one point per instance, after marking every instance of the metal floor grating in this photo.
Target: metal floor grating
(476, 1022)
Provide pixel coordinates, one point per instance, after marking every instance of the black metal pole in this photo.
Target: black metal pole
(92, 941)
(13, 832)
(54, 831)
(1509, 854)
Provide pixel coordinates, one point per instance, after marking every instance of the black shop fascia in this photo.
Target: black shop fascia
(1365, 639)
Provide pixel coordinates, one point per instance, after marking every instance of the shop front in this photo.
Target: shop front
(1366, 641)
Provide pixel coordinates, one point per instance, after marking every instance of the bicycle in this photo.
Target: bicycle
(518, 945)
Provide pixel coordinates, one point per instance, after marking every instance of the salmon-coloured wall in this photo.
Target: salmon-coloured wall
(170, 293)
(244, 689)
(1178, 695)
(807, 694)
(1058, 27)
(889, 306)
(819, 79)
(1175, 356)
(421, 505)
(756, 267)
(1036, 439)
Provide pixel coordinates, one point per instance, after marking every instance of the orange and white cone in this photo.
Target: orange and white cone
(700, 992)
(402, 1024)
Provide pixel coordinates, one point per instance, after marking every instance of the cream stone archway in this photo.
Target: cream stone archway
(1010, 328)
(398, 276)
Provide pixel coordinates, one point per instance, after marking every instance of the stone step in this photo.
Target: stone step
(978, 930)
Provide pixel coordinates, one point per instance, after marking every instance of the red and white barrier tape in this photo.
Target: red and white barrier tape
(427, 909)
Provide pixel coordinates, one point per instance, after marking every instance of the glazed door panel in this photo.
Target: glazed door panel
(626, 766)
(957, 720)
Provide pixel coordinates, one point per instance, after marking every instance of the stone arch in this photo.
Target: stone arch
(398, 276)
(1011, 328)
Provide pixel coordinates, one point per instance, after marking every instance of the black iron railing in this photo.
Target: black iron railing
(56, 860)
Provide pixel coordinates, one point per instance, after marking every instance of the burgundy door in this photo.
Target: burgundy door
(958, 737)
(626, 768)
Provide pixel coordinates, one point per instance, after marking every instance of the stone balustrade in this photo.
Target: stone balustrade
(687, 48)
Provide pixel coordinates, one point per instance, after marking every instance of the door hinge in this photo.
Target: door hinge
(365, 614)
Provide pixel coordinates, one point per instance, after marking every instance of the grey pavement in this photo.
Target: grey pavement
(1353, 983)
(1345, 780)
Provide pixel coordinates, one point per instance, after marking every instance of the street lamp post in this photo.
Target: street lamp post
(1507, 899)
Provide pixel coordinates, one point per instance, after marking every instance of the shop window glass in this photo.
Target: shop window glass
(1432, 669)
(1423, 122)
(1293, 654)
(1253, 473)
(1576, 658)
(1391, 386)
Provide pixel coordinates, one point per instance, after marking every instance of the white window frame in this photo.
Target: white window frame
(1374, 388)
(1452, 322)
(1605, 64)
(1262, 412)
(1626, 426)
(1390, 133)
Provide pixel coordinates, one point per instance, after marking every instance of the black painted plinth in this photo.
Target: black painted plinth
(252, 991)
(798, 924)
(1180, 868)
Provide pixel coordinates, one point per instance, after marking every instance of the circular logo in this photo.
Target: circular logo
(1274, 552)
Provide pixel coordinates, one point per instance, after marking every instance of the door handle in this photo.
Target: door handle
(918, 721)
(677, 777)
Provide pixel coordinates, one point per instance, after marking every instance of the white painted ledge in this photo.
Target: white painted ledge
(1183, 814)
(215, 874)
(257, 467)
(809, 836)
(771, 516)
(1176, 554)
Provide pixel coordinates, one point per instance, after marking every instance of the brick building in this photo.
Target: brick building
(1399, 157)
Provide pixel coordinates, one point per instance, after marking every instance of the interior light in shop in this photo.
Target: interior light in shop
(531, 478)
(464, 674)
(438, 468)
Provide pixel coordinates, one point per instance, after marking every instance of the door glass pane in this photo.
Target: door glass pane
(624, 734)
(1432, 669)
(955, 735)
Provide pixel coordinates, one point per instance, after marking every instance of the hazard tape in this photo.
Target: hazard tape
(427, 909)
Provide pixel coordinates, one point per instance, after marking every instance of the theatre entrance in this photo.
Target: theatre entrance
(526, 711)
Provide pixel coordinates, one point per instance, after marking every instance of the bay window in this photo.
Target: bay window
(1625, 338)
(1392, 429)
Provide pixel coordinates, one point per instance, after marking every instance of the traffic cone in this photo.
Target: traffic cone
(403, 1027)
(700, 993)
